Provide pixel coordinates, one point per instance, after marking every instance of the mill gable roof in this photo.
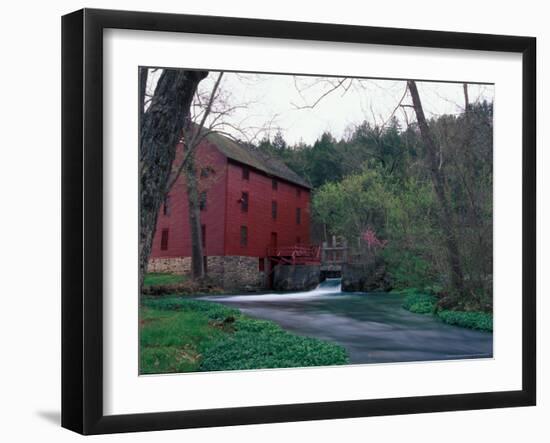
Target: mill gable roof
(256, 159)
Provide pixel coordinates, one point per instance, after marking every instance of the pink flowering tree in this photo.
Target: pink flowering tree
(373, 243)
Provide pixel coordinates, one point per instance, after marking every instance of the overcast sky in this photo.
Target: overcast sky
(284, 102)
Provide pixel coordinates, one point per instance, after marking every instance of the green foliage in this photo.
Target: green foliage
(212, 311)
(384, 148)
(171, 341)
(413, 250)
(154, 279)
(420, 303)
(408, 270)
(262, 344)
(427, 304)
(319, 163)
(324, 161)
(165, 359)
(181, 335)
(473, 320)
(400, 211)
(357, 202)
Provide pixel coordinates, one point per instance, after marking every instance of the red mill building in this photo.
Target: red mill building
(253, 209)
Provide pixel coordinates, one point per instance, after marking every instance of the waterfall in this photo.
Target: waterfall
(329, 286)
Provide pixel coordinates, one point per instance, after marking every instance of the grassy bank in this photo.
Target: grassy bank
(427, 304)
(158, 278)
(182, 335)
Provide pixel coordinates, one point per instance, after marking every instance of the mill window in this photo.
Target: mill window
(207, 171)
(167, 208)
(164, 240)
(202, 201)
(244, 236)
(244, 202)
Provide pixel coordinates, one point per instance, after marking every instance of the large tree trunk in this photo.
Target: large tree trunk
(197, 264)
(142, 77)
(445, 214)
(160, 130)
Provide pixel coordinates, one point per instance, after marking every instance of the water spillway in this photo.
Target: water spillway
(373, 328)
(329, 286)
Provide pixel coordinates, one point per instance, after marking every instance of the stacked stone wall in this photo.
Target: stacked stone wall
(232, 273)
(170, 265)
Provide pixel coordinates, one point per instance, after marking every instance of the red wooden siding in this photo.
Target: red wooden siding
(258, 218)
(213, 217)
(225, 185)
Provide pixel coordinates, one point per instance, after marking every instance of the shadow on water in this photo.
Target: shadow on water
(373, 327)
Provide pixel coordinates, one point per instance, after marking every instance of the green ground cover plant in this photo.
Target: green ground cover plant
(182, 335)
(157, 278)
(427, 304)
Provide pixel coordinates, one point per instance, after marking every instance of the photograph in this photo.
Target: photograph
(290, 220)
(272, 222)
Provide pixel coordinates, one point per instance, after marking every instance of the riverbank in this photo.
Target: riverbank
(427, 304)
(178, 334)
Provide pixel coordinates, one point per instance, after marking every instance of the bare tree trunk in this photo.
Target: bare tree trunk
(160, 130)
(197, 264)
(143, 74)
(193, 135)
(466, 98)
(446, 217)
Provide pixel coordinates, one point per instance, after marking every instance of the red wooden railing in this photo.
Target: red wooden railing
(295, 255)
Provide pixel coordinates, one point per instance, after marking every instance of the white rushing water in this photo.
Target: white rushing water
(329, 286)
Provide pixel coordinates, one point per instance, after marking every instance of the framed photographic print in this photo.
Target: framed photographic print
(269, 221)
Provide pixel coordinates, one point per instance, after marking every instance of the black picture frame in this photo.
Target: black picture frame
(82, 218)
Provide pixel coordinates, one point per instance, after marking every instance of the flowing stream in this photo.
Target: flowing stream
(373, 328)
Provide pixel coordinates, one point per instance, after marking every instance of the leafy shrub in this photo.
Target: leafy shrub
(406, 269)
(474, 320)
(427, 304)
(420, 303)
(434, 289)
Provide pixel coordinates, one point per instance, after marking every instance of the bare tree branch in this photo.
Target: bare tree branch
(334, 88)
(396, 108)
(192, 144)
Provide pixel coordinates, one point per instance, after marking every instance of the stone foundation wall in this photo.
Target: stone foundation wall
(236, 272)
(232, 273)
(296, 278)
(170, 265)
